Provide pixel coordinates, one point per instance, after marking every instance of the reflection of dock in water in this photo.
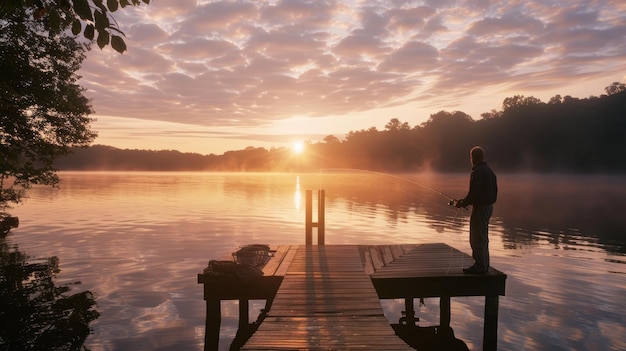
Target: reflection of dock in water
(328, 296)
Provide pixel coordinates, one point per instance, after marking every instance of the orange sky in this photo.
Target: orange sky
(207, 77)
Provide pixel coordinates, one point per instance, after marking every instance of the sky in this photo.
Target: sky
(213, 76)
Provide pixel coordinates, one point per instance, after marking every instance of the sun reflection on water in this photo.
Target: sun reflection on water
(297, 197)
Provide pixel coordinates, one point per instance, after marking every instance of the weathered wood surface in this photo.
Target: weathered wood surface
(427, 270)
(418, 260)
(325, 302)
(434, 270)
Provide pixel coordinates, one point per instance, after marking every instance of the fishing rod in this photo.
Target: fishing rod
(451, 200)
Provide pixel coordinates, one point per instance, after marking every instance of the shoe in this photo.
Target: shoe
(473, 270)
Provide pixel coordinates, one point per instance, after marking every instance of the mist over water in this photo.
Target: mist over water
(138, 241)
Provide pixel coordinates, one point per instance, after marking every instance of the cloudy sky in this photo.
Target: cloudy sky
(211, 76)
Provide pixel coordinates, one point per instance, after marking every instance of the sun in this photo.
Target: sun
(297, 147)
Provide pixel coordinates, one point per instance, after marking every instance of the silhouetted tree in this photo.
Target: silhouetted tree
(331, 139)
(43, 112)
(615, 88)
(395, 125)
(519, 101)
(92, 18)
(396, 150)
(556, 99)
(361, 147)
(491, 114)
(446, 134)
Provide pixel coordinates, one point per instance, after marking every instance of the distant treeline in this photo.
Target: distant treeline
(563, 135)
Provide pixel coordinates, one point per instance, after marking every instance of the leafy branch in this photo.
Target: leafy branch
(92, 18)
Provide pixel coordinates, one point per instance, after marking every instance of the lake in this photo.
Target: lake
(138, 240)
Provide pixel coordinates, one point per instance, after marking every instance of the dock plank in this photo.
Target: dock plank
(286, 263)
(272, 265)
(377, 261)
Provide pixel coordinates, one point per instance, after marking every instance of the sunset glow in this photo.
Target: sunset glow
(213, 76)
(297, 147)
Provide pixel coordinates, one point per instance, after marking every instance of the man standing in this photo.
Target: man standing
(483, 191)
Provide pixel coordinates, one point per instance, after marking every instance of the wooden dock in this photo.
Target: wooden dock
(328, 296)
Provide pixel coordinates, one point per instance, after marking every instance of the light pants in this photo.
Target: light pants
(479, 240)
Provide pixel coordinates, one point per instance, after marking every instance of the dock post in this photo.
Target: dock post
(490, 336)
(212, 326)
(244, 314)
(321, 208)
(409, 311)
(444, 311)
(309, 224)
(309, 217)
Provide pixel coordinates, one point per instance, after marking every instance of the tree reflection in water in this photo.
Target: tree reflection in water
(35, 314)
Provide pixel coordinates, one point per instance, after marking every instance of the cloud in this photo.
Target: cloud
(252, 63)
(412, 56)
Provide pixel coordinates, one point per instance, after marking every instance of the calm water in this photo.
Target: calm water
(138, 241)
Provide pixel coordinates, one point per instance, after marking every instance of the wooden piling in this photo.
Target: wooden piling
(490, 329)
(321, 218)
(308, 220)
(212, 325)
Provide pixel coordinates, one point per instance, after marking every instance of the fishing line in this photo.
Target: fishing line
(447, 197)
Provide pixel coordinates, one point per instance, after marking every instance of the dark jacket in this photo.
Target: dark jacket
(483, 189)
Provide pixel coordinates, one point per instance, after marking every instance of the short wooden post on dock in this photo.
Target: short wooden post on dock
(320, 224)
